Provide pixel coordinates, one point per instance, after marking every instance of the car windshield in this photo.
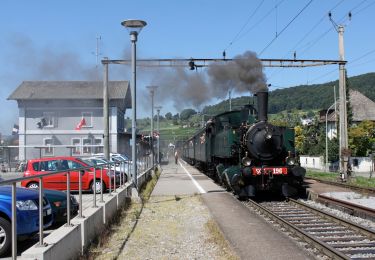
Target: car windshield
(85, 163)
(89, 162)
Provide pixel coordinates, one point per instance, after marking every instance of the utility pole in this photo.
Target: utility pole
(343, 140)
(158, 108)
(152, 92)
(105, 111)
(230, 100)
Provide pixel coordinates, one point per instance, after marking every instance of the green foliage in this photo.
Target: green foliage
(187, 113)
(362, 138)
(168, 116)
(358, 181)
(303, 97)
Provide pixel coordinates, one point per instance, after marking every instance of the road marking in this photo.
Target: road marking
(199, 187)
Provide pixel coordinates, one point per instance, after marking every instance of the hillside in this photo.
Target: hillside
(303, 97)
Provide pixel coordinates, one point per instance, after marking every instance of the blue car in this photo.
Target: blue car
(27, 215)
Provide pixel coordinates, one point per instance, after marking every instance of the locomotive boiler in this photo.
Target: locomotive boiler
(247, 154)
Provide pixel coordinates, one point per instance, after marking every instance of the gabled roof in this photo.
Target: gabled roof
(39, 90)
(363, 108)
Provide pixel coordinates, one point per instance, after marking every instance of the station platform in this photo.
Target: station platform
(250, 236)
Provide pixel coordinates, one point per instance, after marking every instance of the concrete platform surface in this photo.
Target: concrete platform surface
(250, 236)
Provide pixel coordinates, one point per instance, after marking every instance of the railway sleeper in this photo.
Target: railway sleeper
(355, 251)
(327, 233)
(324, 229)
(350, 243)
(341, 239)
(312, 225)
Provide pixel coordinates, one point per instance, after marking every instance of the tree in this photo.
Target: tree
(168, 116)
(187, 113)
(361, 138)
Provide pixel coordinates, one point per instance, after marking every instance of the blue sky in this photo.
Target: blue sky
(55, 40)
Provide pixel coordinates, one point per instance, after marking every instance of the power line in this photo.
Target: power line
(315, 26)
(295, 17)
(350, 65)
(343, 19)
(260, 20)
(246, 23)
(307, 34)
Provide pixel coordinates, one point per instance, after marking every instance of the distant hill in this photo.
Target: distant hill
(303, 97)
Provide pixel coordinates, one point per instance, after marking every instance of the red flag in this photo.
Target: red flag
(80, 124)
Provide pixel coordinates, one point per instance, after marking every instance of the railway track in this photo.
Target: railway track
(334, 237)
(345, 185)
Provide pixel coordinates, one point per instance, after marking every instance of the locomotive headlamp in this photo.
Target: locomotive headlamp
(246, 161)
(291, 161)
(268, 134)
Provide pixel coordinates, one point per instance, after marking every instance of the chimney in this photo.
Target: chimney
(262, 98)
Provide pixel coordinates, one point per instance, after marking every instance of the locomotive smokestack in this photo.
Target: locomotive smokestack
(262, 98)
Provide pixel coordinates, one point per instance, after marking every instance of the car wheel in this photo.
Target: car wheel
(5, 236)
(97, 186)
(33, 185)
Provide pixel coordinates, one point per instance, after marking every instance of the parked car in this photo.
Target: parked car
(59, 205)
(27, 207)
(58, 181)
(98, 161)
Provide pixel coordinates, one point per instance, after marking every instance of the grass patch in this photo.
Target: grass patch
(217, 237)
(357, 181)
(125, 221)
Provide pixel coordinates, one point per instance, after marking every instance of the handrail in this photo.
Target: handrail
(108, 166)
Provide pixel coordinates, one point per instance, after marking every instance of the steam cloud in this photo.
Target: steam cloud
(243, 74)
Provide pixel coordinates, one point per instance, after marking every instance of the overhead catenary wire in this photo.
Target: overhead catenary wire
(342, 20)
(290, 22)
(307, 34)
(349, 65)
(257, 23)
(246, 23)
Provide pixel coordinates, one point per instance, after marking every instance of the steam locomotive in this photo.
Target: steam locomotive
(245, 153)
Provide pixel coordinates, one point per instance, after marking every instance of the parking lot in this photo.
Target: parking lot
(87, 202)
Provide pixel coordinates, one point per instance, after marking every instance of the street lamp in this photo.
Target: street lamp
(134, 27)
(334, 104)
(152, 92)
(158, 126)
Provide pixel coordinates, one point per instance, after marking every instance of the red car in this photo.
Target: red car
(34, 167)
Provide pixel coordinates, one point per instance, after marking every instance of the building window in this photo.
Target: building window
(355, 162)
(87, 116)
(87, 146)
(98, 145)
(48, 150)
(77, 149)
(50, 119)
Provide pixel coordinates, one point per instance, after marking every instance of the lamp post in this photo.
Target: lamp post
(334, 104)
(158, 108)
(134, 27)
(152, 92)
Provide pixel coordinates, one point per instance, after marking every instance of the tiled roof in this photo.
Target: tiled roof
(363, 108)
(33, 90)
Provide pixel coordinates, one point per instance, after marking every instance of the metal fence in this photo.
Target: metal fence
(116, 180)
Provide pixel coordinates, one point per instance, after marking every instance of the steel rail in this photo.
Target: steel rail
(323, 247)
(355, 208)
(344, 185)
(362, 230)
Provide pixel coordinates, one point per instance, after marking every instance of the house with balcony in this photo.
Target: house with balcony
(59, 118)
